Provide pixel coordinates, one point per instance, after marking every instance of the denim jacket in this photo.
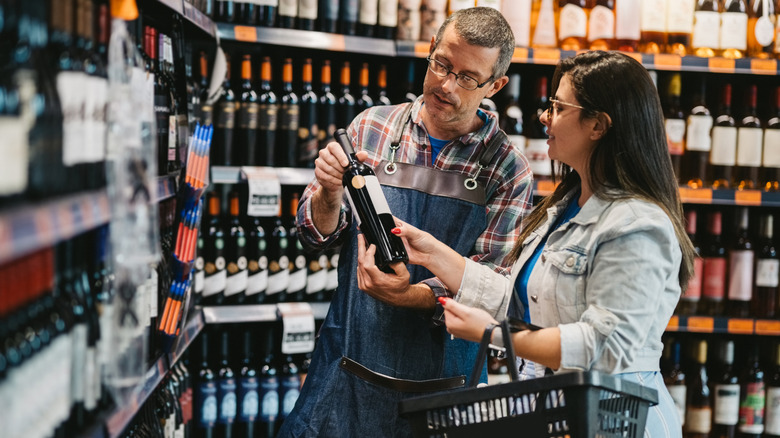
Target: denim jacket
(608, 279)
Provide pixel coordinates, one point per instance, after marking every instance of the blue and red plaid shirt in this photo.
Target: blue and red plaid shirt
(508, 186)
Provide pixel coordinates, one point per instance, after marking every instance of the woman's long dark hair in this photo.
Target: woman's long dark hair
(632, 158)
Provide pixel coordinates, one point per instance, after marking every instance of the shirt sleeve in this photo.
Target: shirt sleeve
(310, 237)
(483, 288)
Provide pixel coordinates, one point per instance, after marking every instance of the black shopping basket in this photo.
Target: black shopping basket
(567, 405)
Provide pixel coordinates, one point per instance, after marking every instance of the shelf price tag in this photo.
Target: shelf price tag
(245, 33)
(767, 327)
(265, 191)
(740, 326)
(298, 327)
(701, 324)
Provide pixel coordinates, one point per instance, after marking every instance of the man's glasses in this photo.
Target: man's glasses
(554, 107)
(464, 81)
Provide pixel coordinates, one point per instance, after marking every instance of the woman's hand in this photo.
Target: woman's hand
(420, 246)
(465, 322)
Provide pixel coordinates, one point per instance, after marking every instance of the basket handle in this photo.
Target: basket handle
(484, 344)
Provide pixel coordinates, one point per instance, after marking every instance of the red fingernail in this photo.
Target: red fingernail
(443, 301)
(396, 230)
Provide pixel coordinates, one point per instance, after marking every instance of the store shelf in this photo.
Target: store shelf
(287, 175)
(191, 14)
(733, 326)
(253, 313)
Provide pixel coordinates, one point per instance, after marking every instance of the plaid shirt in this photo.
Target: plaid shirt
(508, 184)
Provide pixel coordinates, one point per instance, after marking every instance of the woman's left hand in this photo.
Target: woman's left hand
(465, 322)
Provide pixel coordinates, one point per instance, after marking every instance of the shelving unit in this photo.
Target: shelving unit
(287, 175)
(718, 325)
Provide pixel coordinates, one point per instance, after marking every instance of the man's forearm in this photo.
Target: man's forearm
(325, 212)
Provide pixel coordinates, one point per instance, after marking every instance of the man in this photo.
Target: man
(445, 167)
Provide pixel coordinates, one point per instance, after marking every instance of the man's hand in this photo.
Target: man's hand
(329, 168)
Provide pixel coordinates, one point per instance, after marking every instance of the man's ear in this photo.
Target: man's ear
(602, 125)
(433, 45)
(497, 85)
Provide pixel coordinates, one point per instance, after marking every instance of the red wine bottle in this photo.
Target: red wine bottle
(370, 207)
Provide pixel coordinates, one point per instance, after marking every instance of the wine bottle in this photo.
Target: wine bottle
(653, 27)
(767, 271)
(269, 387)
(675, 124)
(246, 13)
(368, 14)
(317, 277)
(213, 254)
(679, 26)
(226, 390)
(543, 28)
(725, 393)
(205, 411)
(761, 29)
(328, 16)
(289, 119)
(752, 396)
(601, 25)
(381, 84)
(332, 282)
(246, 151)
(572, 24)
(307, 14)
(224, 122)
(750, 137)
(296, 288)
(733, 29)
(348, 17)
(518, 15)
(278, 259)
(698, 142)
(772, 423)
(269, 114)
(536, 146)
(248, 389)
(346, 102)
(287, 12)
(226, 11)
(257, 266)
(206, 110)
(705, 41)
(387, 20)
(674, 378)
(370, 208)
(364, 101)
(308, 130)
(235, 255)
(771, 162)
(266, 14)
(511, 120)
(326, 108)
(162, 99)
(698, 409)
(627, 25)
(714, 273)
(724, 143)
(289, 387)
(689, 300)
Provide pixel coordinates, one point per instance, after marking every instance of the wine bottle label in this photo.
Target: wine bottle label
(740, 275)
(14, 165)
(371, 184)
(236, 283)
(289, 117)
(248, 115)
(269, 114)
(91, 374)
(62, 348)
(678, 393)
(698, 419)
(518, 15)
(430, 21)
(215, 283)
(706, 28)
(207, 397)
(627, 20)
(289, 394)
(767, 272)
(724, 146)
(269, 399)
(772, 411)
(170, 426)
(679, 19)
(749, 146)
(206, 114)
(675, 136)
(72, 101)
(388, 13)
(368, 12)
(751, 408)
(226, 394)
(653, 16)
(257, 282)
(408, 24)
(698, 133)
(288, 8)
(771, 151)
(298, 274)
(226, 115)
(172, 137)
(726, 404)
(333, 272)
(179, 432)
(574, 22)
(248, 399)
(764, 30)
(307, 9)
(318, 275)
(601, 24)
(78, 359)
(733, 30)
(278, 275)
(538, 158)
(714, 283)
(693, 292)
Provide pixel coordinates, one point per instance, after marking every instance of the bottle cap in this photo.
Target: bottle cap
(124, 9)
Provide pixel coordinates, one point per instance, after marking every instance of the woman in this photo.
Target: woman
(600, 262)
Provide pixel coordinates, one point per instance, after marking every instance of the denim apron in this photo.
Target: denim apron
(370, 355)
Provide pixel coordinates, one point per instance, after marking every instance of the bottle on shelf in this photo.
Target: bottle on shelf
(409, 85)
(536, 134)
(328, 12)
(761, 29)
(269, 114)
(289, 386)
(309, 131)
(543, 29)
(235, 254)
(289, 121)
(733, 29)
(248, 388)
(287, 12)
(627, 25)
(511, 119)
(225, 11)
(368, 14)
(346, 101)
(215, 275)
(750, 138)
(296, 288)
(224, 122)
(269, 386)
(674, 377)
(257, 266)
(767, 278)
(705, 41)
(246, 151)
(675, 124)
(278, 259)
(206, 110)
(653, 27)
(317, 278)
(698, 408)
(326, 108)
(572, 24)
(307, 14)
(381, 83)
(364, 101)
(601, 25)
(689, 300)
(752, 397)
(723, 155)
(714, 273)
(725, 392)
(698, 142)
(226, 388)
(246, 13)
(679, 26)
(387, 20)
(772, 412)
(266, 13)
(348, 16)
(741, 257)
(162, 98)
(409, 20)
(771, 162)
(205, 401)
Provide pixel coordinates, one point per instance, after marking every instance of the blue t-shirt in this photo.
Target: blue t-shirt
(437, 144)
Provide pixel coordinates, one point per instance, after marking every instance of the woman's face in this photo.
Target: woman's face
(570, 139)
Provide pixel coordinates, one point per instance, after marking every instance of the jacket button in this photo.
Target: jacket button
(534, 298)
(570, 261)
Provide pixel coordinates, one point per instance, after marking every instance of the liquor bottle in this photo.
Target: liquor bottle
(332, 282)
(674, 378)
(307, 14)
(543, 29)
(225, 11)
(205, 393)
(511, 119)
(698, 409)
(326, 108)
(368, 15)
(289, 119)
(771, 161)
(601, 25)
(346, 102)
(269, 387)
(679, 26)
(518, 15)
(572, 24)
(348, 17)
(296, 288)
(767, 271)
(381, 84)
(257, 266)
(246, 150)
(653, 26)
(725, 393)
(675, 125)
(536, 146)
(162, 99)
(370, 207)
(246, 13)
(714, 274)
(317, 277)
(226, 390)
(278, 259)
(750, 137)
(248, 390)
(287, 12)
(772, 417)
(698, 142)
(266, 13)
(706, 29)
(235, 255)
(328, 16)
(269, 113)
(689, 300)
(387, 20)
(752, 397)
(289, 386)
(213, 253)
(733, 29)
(308, 131)
(627, 25)
(224, 122)
(724, 143)
(761, 29)
(206, 110)
(364, 101)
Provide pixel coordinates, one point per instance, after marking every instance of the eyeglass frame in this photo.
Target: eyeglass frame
(551, 101)
(457, 75)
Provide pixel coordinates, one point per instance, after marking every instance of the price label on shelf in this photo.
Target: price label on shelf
(265, 191)
(298, 327)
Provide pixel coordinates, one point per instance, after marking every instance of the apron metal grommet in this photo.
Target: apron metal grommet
(390, 168)
(470, 183)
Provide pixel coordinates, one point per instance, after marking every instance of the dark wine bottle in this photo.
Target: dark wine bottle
(326, 108)
(289, 387)
(269, 387)
(713, 252)
(298, 267)
(381, 84)
(765, 302)
(370, 208)
(206, 110)
(247, 13)
(328, 12)
(224, 123)
(286, 13)
(698, 410)
(246, 145)
(289, 119)
(269, 112)
(278, 259)
(771, 157)
(248, 390)
(307, 14)
(226, 11)
(308, 130)
(226, 390)
(698, 142)
(205, 394)
(689, 301)
(235, 255)
(257, 266)
(750, 142)
(213, 254)
(772, 423)
(348, 17)
(266, 15)
(725, 393)
(675, 124)
(511, 120)
(674, 377)
(346, 101)
(741, 260)
(364, 101)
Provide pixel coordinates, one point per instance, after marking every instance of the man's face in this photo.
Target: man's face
(449, 107)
